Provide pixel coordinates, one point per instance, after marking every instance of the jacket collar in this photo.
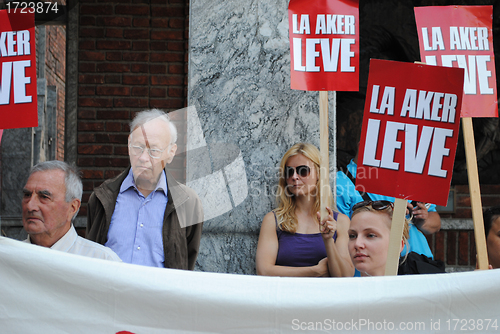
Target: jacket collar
(108, 192)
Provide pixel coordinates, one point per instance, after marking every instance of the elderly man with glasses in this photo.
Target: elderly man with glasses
(143, 214)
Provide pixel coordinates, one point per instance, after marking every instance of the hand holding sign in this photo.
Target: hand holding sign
(327, 225)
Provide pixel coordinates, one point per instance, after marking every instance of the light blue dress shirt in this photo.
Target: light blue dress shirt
(347, 196)
(135, 232)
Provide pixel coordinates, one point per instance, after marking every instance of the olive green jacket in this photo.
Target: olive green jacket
(182, 221)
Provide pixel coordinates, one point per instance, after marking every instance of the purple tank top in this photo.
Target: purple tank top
(300, 250)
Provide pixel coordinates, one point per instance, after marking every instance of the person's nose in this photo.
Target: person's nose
(359, 243)
(31, 203)
(144, 156)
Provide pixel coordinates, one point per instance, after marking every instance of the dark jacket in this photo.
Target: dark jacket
(182, 221)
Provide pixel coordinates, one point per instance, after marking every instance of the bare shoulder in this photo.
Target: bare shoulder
(268, 220)
(343, 221)
(268, 229)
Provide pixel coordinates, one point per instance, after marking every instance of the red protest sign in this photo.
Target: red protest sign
(461, 36)
(410, 130)
(324, 45)
(18, 95)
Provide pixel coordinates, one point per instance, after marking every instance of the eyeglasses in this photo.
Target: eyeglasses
(376, 205)
(153, 152)
(302, 171)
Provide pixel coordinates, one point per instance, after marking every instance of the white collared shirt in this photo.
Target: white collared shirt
(72, 243)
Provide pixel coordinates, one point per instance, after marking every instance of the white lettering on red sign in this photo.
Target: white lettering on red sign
(9, 40)
(330, 51)
(431, 138)
(335, 24)
(476, 71)
(386, 103)
(13, 75)
(461, 38)
(421, 104)
(432, 106)
(436, 38)
(15, 72)
(467, 39)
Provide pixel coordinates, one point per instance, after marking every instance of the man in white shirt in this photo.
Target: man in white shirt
(51, 200)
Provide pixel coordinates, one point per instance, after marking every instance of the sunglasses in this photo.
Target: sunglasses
(302, 171)
(376, 205)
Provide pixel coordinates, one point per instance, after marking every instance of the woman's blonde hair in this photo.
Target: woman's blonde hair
(285, 212)
(389, 212)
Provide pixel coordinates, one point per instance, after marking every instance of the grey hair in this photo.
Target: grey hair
(145, 116)
(72, 180)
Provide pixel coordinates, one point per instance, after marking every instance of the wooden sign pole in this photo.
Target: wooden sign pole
(475, 193)
(324, 147)
(397, 226)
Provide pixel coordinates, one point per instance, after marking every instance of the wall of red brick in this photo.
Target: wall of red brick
(490, 196)
(55, 73)
(458, 247)
(132, 56)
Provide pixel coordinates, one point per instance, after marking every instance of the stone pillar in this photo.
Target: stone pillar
(16, 163)
(239, 86)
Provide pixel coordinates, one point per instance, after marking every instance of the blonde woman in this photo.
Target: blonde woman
(293, 241)
(369, 236)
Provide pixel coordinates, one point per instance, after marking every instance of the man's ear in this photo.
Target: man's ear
(74, 207)
(171, 153)
(402, 245)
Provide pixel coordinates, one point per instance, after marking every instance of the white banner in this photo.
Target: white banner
(46, 291)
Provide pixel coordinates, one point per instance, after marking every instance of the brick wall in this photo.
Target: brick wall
(490, 196)
(457, 247)
(132, 56)
(55, 73)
